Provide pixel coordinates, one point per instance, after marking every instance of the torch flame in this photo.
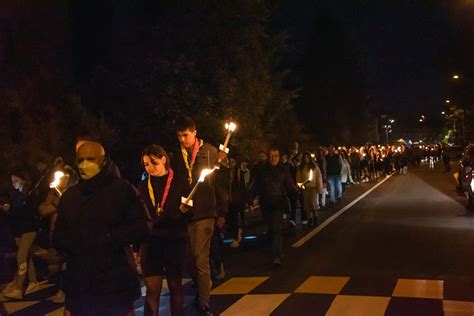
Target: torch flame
(57, 177)
(230, 126)
(205, 173)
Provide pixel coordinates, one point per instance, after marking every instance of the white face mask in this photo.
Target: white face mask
(88, 169)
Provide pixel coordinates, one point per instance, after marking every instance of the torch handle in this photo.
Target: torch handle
(226, 142)
(59, 192)
(191, 195)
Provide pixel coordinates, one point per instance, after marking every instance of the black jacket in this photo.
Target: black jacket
(97, 221)
(23, 214)
(333, 165)
(212, 196)
(171, 222)
(273, 185)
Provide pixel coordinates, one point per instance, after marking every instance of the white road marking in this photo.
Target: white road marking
(323, 225)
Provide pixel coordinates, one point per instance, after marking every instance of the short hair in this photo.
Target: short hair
(185, 122)
(273, 148)
(156, 151)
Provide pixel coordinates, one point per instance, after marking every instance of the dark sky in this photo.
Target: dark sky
(406, 49)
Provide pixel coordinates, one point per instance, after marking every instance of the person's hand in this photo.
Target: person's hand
(222, 157)
(5, 207)
(184, 208)
(220, 222)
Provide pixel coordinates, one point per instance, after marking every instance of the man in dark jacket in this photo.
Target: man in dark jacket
(97, 221)
(273, 184)
(209, 204)
(333, 170)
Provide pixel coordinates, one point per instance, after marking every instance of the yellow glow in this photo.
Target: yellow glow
(230, 126)
(57, 177)
(205, 173)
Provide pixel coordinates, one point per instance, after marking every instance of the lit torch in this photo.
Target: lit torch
(310, 178)
(230, 127)
(188, 200)
(57, 178)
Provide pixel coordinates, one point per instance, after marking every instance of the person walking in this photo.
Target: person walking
(309, 176)
(22, 211)
(273, 184)
(333, 170)
(209, 204)
(164, 253)
(98, 220)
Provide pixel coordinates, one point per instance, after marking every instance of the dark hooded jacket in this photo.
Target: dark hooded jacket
(97, 221)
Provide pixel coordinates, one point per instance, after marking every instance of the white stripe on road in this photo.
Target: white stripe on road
(323, 225)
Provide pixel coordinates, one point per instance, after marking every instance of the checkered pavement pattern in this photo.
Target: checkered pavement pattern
(313, 295)
(341, 296)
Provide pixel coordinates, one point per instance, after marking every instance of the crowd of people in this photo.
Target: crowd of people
(102, 232)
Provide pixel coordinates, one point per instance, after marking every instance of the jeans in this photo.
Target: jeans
(335, 187)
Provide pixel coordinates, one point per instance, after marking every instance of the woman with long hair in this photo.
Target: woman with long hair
(309, 178)
(22, 211)
(164, 254)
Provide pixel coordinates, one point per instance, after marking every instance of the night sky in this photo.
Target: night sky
(405, 50)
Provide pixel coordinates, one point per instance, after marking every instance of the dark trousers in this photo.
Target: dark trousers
(293, 205)
(233, 221)
(274, 219)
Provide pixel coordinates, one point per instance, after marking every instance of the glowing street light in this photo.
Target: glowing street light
(456, 77)
(447, 101)
(443, 113)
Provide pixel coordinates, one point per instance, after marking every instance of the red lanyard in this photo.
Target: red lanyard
(159, 207)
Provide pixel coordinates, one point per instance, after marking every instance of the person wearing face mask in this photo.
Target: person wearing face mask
(22, 210)
(164, 253)
(98, 220)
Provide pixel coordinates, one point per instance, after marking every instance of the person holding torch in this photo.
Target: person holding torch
(164, 253)
(209, 199)
(310, 181)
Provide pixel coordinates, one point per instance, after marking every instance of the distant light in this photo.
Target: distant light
(421, 120)
(456, 77)
(250, 237)
(447, 101)
(443, 113)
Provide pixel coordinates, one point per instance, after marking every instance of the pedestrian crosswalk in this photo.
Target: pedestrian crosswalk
(315, 295)
(342, 295)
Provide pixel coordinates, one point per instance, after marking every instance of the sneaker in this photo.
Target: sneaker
(204, 310)
(32, 287)
(59, 297)
(40, 252)
(220, 272)
(9, 286)
(234, 244)
(277, 261)
(14, 293)
(293, 223)
(304, 222)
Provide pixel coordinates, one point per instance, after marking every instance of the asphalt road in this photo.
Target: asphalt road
(409, 242)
